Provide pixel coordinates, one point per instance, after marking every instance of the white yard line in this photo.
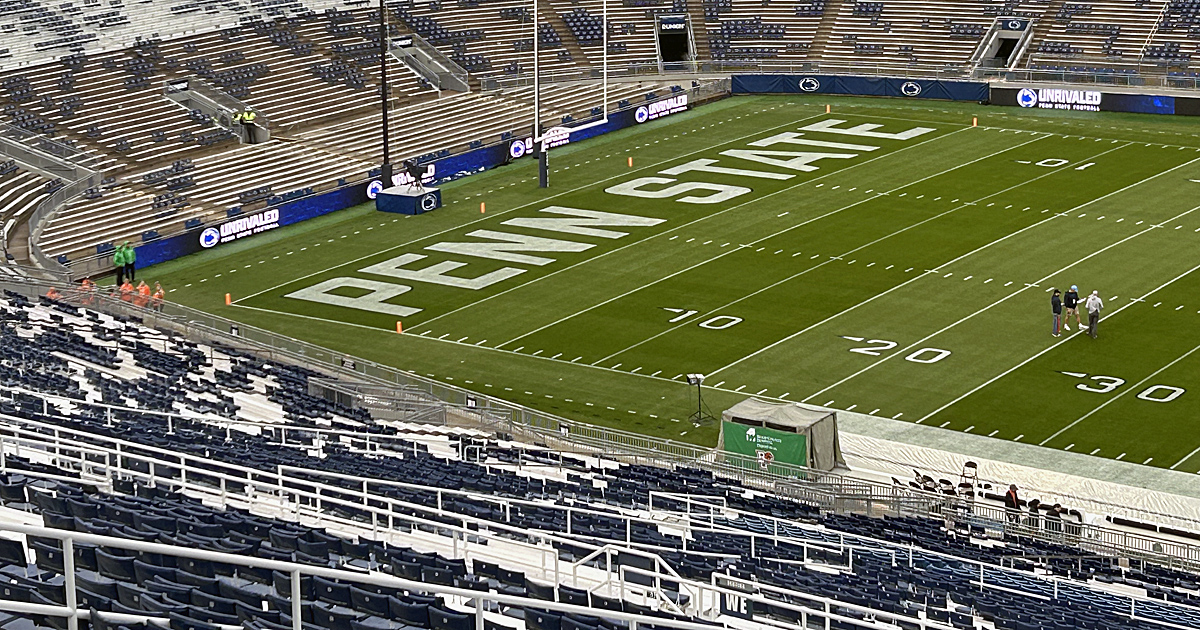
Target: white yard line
(680, 227)
(940, 267)
(1185, 458)
(1006, 298)
(773, 235)
(1051, 347)
(526, 205)
(1136, 387)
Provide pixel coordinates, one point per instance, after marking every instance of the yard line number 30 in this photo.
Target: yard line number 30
(1106, 384)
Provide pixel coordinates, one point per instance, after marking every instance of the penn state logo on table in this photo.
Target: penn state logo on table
(406, 199)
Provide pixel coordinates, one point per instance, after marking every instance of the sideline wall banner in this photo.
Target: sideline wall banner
(1092, 100)
(859, 86)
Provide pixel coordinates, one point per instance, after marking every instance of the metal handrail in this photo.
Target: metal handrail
(830, 491)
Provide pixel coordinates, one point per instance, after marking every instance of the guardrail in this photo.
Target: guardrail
(1122, 76)
(312, 499)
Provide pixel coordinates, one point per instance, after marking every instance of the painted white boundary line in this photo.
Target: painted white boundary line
(681, 226)
(1135, 387)
(524, 205)
(926, 338)
(783, 231)
(1185, 458)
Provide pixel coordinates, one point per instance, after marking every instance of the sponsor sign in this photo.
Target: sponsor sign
(659, 109)
(672, 23)
(402, 178)
(766, 445)
(1090, 100)
(404, 41)
(178, 85)
(556, 137)
(1053, 98)
(248, 225)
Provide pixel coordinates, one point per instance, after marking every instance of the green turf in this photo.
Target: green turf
(937, 251)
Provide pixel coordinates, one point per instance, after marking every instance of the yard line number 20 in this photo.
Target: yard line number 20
(876, 347)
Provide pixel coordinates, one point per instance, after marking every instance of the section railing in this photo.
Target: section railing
(1073, 71)
(383, 518)
(828, 613)
(830, 491)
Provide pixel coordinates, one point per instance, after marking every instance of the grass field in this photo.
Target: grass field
(901, 277)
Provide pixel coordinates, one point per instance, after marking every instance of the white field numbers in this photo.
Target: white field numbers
(719, 322)
(1057, 162)
(1100, 384)
(876, 347)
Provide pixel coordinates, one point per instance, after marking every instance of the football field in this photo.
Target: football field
(887, 258)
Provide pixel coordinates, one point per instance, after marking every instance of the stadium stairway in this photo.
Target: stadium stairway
(820, 40)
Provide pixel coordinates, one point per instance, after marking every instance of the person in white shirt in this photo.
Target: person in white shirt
(1093, 305)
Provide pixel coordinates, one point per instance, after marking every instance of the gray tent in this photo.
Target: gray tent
(786, 433)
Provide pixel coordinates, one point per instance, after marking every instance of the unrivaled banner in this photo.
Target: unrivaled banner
(1087, 100)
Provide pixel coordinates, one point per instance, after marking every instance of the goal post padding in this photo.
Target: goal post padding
(782, 433)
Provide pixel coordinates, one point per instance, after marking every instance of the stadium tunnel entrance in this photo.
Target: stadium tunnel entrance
(674, 40)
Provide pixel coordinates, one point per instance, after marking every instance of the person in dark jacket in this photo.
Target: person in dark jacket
(1012, 505)
(1056, 309)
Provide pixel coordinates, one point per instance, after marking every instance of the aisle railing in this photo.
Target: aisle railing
(830, 491)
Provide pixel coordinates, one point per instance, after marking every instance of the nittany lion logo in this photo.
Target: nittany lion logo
(516, 149)
(210, 237)
(910, 88)
(1027, 98)
(1014, 25)
(429, 202)
(810, 84)
(642, 114)
(373, 189)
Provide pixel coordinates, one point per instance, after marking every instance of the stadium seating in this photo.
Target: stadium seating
(191, 482)
(1108, 33)
(91, 75)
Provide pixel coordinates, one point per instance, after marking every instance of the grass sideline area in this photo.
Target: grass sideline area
(906, 278)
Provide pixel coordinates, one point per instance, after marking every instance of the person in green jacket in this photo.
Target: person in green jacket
(130, 259)
(119, 263)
